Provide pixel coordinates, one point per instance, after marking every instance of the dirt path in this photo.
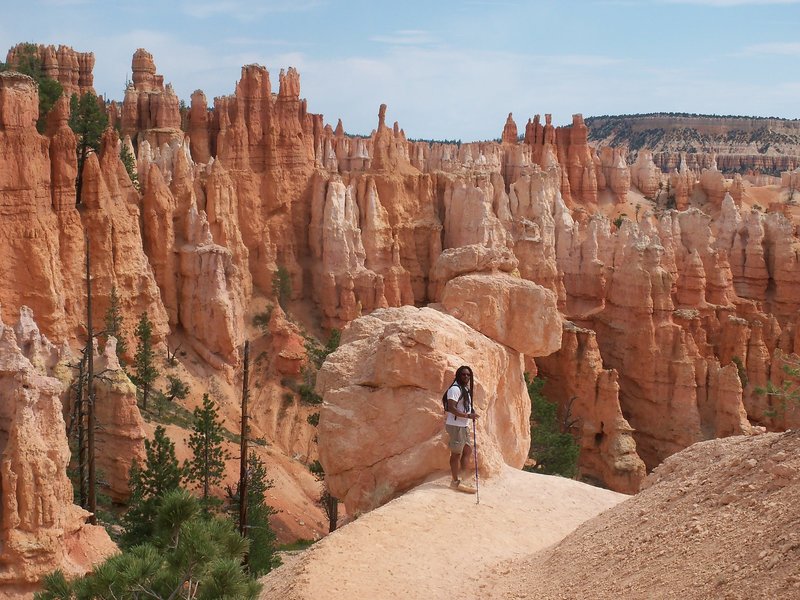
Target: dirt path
(719, 520)
(436, 543)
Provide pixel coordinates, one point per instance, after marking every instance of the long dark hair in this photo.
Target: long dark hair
(460, 370)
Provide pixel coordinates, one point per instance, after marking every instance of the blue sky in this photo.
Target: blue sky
(448, 69)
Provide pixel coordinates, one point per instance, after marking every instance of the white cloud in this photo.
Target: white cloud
(453, 92)
(779, 48)
(244, 10)
(256, 41)
(730, 3)
(64, 2)
(405, 37)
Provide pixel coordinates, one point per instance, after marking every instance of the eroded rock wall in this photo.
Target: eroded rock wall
(675, 303)
(41, 529)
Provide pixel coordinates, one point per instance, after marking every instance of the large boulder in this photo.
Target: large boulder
(493, 304)
(381, 426)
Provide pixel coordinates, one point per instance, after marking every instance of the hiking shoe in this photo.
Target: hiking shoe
(454, 484)
(467, 488)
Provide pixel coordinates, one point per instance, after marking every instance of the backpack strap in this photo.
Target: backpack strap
(460, 397)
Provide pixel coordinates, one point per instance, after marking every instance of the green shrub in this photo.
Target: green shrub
(741, 371)
(555, 452)
(282, 286)
(261, 320)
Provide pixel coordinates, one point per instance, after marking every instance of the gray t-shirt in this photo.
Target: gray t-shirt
(462, 405)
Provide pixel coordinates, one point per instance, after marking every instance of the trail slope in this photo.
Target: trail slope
(433, 542)
(720, 519)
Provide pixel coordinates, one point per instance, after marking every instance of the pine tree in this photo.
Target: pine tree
(160, 475)
(207, 466)
(188, 556)
(87, 120)
(555, 452)
(113, 325)
(50, 90)
(144, 370)
(282, 286)
(129, 161)
(263, 557)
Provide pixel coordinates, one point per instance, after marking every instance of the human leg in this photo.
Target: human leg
(466, 458)
(458, 440)
(455, 459)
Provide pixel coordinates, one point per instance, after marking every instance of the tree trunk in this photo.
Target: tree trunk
(243, 446)
(81, 435)
(91, 422)
(82, 152)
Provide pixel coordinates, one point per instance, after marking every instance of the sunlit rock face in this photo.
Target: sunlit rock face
(381, 429)
(40, 528)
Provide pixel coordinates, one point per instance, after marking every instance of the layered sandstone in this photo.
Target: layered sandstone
(734, 143)
(44, 233)
(578, 161)
(671, 305)
(666, 357)
(121, 433)
(616, 175)
(488, 303)
(645, 175)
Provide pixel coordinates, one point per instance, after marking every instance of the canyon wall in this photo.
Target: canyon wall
(40, 528)
(738, 144)
(658, 333)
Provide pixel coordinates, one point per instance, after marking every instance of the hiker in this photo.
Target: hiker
(459, 413)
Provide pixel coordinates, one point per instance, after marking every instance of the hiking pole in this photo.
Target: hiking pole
(475, 459)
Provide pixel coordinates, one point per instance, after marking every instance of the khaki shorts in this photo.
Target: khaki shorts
(459, 437)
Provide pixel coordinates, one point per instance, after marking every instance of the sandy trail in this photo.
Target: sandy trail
(436, 543)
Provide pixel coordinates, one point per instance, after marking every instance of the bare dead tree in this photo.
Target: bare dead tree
(81, 439)
(331, 507)
(243, 444)
(568, 423)
(171, 360)
(91, 420)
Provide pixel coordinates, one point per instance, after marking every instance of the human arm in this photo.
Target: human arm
(452, 407)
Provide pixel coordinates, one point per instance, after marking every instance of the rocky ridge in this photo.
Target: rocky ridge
(740, 144)
(717, 520)
(73, 70)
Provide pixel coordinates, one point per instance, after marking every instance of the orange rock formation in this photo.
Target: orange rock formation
(73, 70)
(41, 529)
(677, 319)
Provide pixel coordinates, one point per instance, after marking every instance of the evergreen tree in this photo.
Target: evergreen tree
(282, 287)
(50, 90)
(785, 397)
(189, 556)
(160, 475)
(87, 120)
(113, 325)
(129, 161)
(177, 389)
(208, 456)
(263, 557)
(144, 370)
(555, 451)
